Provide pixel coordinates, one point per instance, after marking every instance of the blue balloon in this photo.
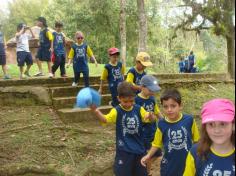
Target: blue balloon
(87, 97)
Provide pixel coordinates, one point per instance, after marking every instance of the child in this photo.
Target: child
(136, 73)
(59, 50)
(3, 54)
(79, 52)
(45, 47)
(175, 133)
(114, 73)
(147, 100)
(214, 155)
(129, 119)
(22, 49)
(181, 64)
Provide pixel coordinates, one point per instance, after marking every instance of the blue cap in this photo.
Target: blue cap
(86, 97)
(151, 83)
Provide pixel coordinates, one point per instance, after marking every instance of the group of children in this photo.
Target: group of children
(143, 133)
(188, 64)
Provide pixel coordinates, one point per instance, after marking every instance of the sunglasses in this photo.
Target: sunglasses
(80, 38)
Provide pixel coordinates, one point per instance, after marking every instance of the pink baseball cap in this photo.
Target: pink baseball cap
(113, 51)
(222, 110)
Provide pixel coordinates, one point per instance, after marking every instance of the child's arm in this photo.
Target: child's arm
(32, 34)
(50, 38)
(18, 34)
(91, 56)
(70, 57)
(130, 79)
(195, 132)
(98, 114)
(147, 157)
(103, 78)
(147, 117)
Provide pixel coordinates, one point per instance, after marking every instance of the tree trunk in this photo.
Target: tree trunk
(142, 26)
(231, 56)
(123, 30)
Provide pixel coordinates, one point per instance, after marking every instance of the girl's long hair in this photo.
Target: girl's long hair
(205, 143)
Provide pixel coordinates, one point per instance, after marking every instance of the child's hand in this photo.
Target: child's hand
(144, 160)
(100, 91)
(51, 50)
(150, 116)
(93, 107)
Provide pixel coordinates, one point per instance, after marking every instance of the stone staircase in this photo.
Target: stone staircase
(63, 95)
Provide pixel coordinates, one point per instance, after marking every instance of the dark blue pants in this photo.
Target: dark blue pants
(60, 61)
(128, 164)
(85, 76)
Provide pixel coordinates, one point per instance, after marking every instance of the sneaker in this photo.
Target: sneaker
(74, 84)
(6, 77)
(26, 73)
(22, 76)
(39, 74)
(50, 75)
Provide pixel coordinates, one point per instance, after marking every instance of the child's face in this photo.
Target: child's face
(79, 38)
(220, 132)
(59, 29)
(126, 102)
(39, 24)
(171, 109)
(146, 92)
(140, 67)
(114, 58)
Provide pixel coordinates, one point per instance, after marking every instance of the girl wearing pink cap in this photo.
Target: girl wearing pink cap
(214, 155)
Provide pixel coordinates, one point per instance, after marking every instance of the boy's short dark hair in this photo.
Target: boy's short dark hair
(58, 24)
(20, 26)
(125, 89)
(171, 94)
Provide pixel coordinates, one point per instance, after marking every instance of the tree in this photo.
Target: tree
(142, 26)
(216, 15)
(123, 30)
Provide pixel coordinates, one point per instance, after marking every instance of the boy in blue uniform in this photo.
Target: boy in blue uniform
(129, 119)
(146, 99)
(22, 49)
(3, 54)
(214, 155)
(114, 73)
(79, 53)
(45, 47)
(136, 73)
(59, 50)
(181, 64)
(176, 133)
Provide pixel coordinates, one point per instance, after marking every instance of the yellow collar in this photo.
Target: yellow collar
(130, 109)
(180, 118)
(222, 155)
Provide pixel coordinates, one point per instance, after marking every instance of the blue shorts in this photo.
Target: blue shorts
(2, 59)
(44, 54)
(128, 164)
(24, 57)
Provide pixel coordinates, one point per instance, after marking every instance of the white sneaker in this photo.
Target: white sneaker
(74, 84)
(50, 75)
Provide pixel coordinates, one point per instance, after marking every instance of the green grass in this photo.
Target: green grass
(14, 72)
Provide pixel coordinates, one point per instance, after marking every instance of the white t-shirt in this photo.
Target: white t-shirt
(22, 42)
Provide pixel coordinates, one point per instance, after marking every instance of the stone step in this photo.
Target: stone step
(77, 115)
(44, 81)
(69, 102)
(73, 91)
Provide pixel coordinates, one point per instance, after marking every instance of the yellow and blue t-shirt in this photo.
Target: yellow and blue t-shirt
(134, 76)
(114, 74)
(58, 43)
(176, 139)
(79, 55)
(45, 38)
(129, 122)
(214, 165)
(150, 105)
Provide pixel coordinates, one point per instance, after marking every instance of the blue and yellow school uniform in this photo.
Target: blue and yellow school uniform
(129, 140)
(2, 50)
(134, 76)
(45, 38)
(215, 164)
(79, 55)
(176, 139)
(114, 74)
(149, 129)
(59, 51)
